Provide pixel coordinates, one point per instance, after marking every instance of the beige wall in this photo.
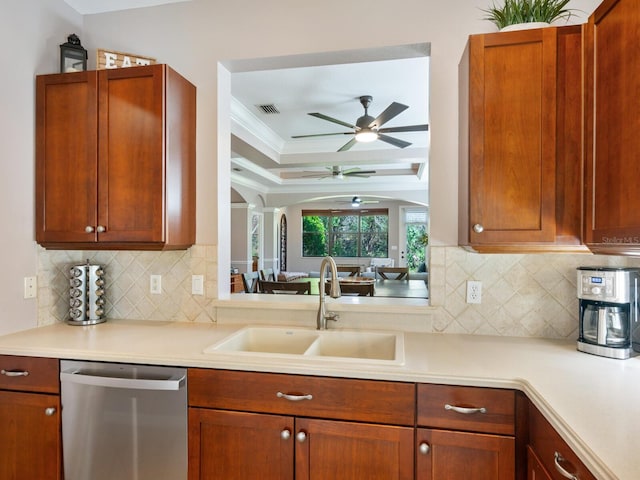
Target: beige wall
(194, 37)
(30, 35)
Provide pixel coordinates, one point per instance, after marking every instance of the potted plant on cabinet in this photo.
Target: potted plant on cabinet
(524, 14)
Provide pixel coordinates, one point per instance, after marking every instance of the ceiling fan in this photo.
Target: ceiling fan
(367, 128)
(338, 173)
(357, 201)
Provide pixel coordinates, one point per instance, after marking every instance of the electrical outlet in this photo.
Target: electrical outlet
(155, 284)
(30, 287)
(474, 291)
(197, 284)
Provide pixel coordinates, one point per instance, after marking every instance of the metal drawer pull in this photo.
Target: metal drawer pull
(285, 434)
(424, 448)
(50, 411)
(557, 460)
(301, 437)
(294, 398)
(465, 410)
(14, 373)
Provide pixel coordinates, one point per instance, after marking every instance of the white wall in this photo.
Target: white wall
(193, 37)
(30, 35)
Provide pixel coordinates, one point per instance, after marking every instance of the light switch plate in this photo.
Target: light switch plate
(30, 287)
(197, 284)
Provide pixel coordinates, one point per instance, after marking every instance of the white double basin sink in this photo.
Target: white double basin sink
(349, 346)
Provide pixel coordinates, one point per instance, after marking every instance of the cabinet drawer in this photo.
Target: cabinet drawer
(451, 407)
(546, 442)
(331, 398)
(29, 374)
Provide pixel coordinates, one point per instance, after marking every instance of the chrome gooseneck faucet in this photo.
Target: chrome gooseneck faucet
(334, 292)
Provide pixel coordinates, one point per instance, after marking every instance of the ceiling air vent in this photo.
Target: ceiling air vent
(269, 109)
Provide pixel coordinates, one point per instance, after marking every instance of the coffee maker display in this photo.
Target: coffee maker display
(86, 294)
(608, 321)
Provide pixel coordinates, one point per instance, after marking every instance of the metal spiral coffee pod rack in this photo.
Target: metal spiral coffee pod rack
(86, 294)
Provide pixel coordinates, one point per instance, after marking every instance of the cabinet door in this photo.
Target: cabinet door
(66, 157)
(352, 451)
(451, 455)
(30, 445)
(612, 126)
(558, 459)
(512, 138)
(131, 172)
(535, 469)
(228, 445)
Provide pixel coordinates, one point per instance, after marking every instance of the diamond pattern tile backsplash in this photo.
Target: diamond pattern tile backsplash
(127, 283)
(522, 295)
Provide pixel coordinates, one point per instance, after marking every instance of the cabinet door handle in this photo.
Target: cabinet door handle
(14, 373)
(101, 229)
(478, 228)
(465, 410)
(557, 460)
(301, 436)
(285, 434)
(49, 412)
(294, 398)
(424, 448)
(89, 229)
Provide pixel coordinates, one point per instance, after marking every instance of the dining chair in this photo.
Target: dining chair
(298, 288)
(399, 273)
(359, 289)
(268, 275)
(250, 282)
(353, 270)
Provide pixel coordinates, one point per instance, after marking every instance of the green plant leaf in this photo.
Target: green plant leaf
(527, 11)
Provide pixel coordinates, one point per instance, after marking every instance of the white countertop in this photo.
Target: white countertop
(593, 402)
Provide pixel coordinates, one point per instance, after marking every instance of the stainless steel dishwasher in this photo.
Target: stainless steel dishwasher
(125, 422)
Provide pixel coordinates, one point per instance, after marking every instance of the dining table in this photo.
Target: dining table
(382, 287)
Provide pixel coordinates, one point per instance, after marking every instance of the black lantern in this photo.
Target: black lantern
(73, 58)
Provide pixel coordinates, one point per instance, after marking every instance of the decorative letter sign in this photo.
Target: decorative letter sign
(111, 59)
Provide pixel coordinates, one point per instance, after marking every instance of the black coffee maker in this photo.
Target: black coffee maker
(609, 323)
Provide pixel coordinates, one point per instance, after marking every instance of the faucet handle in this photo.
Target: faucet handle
(332, 316)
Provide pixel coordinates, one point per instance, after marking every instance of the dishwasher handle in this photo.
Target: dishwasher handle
(175, 382)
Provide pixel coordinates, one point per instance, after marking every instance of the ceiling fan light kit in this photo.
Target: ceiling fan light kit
(366, 135)
(367, 128)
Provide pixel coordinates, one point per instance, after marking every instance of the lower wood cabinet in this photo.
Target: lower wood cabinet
(465, 432)
(549, 454)
(535, 469)
(450, 455)
(30, 440)
(249, 425)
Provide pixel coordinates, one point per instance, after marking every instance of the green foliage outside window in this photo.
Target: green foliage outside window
(417, 239)
(345, 234)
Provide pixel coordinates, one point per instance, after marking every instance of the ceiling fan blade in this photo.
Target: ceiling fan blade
(314, 175)
(348, 145)
(391, 111)
(359, 172)
(408, 128)
(331, 119)
(321, 134)
(396, 142)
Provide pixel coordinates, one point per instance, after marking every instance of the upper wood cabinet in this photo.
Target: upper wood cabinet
(115, 159)
(520, 141)
(612, 169)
